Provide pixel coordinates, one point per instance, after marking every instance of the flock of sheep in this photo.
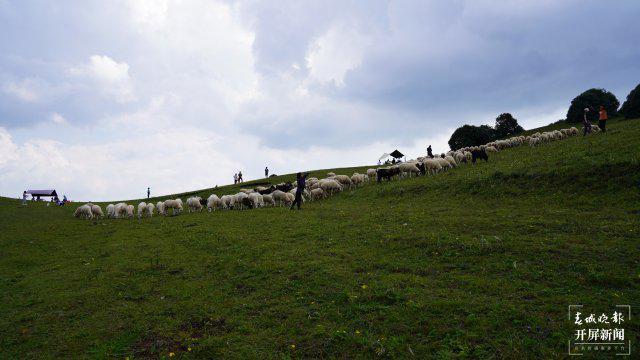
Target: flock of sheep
(316, 189)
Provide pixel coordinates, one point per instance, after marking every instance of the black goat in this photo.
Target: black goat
(479, 154)
(387, 173)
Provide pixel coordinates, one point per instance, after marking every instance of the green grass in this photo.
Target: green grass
(478, 262)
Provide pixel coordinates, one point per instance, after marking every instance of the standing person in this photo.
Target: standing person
(301, 182)
(602, 120)
(429, 152)
(24, 197)
(586, 123)
(148, 192)
(240, 176)
(235, 179)
(266, 172)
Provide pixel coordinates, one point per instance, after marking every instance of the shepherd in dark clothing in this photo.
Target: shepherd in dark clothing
(429, 153)
(301, 182)
(266, 172)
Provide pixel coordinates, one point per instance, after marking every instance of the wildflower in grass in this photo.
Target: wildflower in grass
(364, 286)
(292, 346)
(358, 332)
(171, 354)
(189, 348)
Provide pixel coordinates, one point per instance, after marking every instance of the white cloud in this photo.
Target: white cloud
(336, 52)
(111, 77)
(24, 90)
(58, 119)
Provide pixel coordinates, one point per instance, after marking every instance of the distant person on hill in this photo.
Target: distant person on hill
(24, 197)
(301, 181)
(266, 172)
(429, 153)
(586, 123)
(240, 177)
(235, 178)
(148, 192)
(602, 121)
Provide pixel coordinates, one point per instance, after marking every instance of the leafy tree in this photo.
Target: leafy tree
(469, 135)
(592, 99)
(507, 125)
(631, 107)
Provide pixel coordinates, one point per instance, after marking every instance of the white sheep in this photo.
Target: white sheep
(317, 194)
(331, 174)
(96, 211)
(268, 199)
(142, 208)
(330, 186)
(160, 207)
(150, 208)
(280, 197)
(451, 160)
(111, 211)
(291, 198)
(193, 203)
(344, 180)
(83, 212)
(121, 210)
(256, 199)
(213, 202)
(227, 201)
(130, 210)
(175, 206)
(238, 198)
(409, 168)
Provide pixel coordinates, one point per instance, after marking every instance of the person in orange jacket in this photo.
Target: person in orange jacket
(602, 120)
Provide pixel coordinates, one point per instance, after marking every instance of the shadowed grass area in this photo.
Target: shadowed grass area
(478, 262)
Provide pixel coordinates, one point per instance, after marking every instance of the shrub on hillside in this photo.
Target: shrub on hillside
(507, 126)
(592, 99)
(470, 135)
(631, 107)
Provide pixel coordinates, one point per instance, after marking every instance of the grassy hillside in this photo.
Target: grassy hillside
(479, 262)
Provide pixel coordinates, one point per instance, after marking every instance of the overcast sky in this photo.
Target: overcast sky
(100, 99)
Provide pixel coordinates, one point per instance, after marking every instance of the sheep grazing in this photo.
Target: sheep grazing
(268, 199)
(150, 208)
(331, 174)
(479, 154)
(96, 211)
(311, 182)
(130, 210)
(194, 203)
(330, 186)
(111, 211)
(432, 166)
(174, 205)
(83, 212)
(444, 163)
(213, 202)
(280, 197)
(142, 209)
(359, 179)
(239, 199)
(344, 180)
(317, 194)
(227, 202)
(371, 173)
(120, 210)
(246, 191)
(491, 149)
(451, 160)
(160, 207)
(256, 200)
(291, 198)
(409, 168)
